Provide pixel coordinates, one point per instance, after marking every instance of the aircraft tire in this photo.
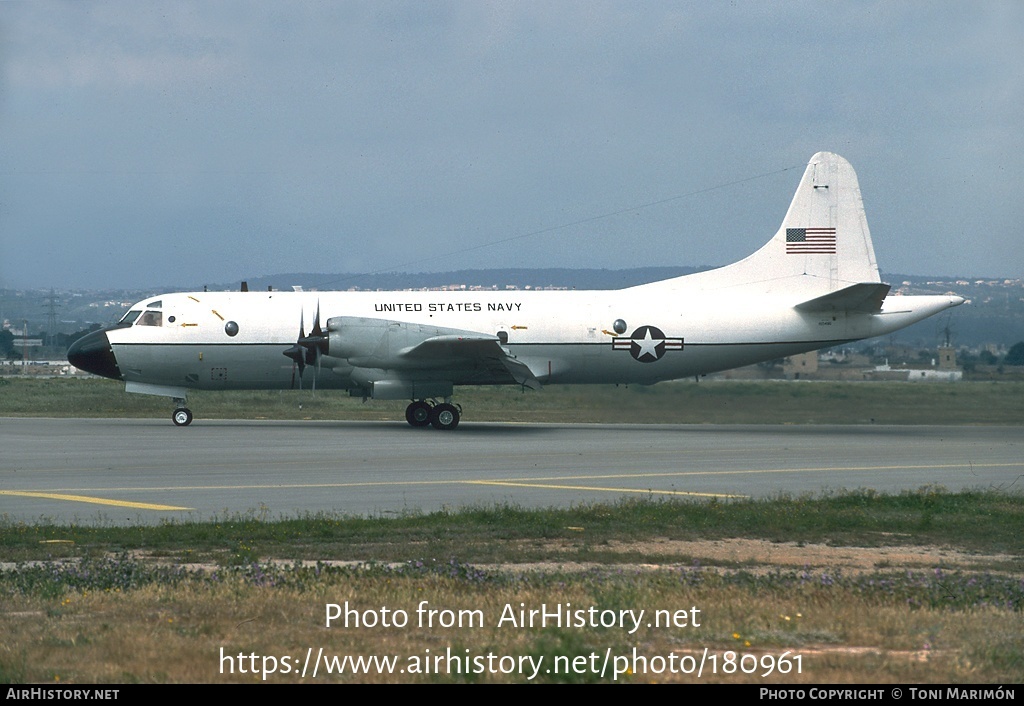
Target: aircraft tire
(418, 413)
(182, 417)
(444, 416)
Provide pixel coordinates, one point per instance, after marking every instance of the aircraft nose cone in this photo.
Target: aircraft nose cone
(92, 353)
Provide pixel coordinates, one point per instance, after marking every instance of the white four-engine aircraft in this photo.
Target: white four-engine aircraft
(814, 284)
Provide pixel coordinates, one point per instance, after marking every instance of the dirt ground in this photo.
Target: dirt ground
(760, 554)
(749, 554)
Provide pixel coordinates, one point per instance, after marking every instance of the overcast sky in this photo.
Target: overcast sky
(165, 145)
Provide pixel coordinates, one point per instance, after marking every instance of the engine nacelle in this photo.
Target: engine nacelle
(380, 343)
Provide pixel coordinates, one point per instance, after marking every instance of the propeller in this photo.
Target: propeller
(307, 349)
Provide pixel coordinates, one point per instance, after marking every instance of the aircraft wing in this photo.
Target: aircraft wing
(866, 297)
(409, 347)
(472, 349)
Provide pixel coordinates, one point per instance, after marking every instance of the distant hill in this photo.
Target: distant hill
(497, 278)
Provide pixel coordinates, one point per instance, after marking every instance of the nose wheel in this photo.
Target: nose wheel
(182, 416)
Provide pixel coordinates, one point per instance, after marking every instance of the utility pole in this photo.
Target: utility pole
(51, 319)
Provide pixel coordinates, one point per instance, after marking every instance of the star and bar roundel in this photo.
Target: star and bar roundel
(647, 344)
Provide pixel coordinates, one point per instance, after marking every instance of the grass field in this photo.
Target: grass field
(935, 595)
(685, 402)
(166, 604)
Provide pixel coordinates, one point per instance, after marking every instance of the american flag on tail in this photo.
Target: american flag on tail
(810, 241)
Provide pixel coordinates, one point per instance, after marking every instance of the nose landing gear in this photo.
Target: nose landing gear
(182, 415)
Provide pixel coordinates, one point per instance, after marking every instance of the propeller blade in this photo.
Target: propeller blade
(316, 373)
(297, 351)
(312, 352)
(307, 349)
(317, 331)
(316, 342)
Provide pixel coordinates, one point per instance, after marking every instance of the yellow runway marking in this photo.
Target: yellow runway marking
(87, 499)
(649, 491)
(546, 479)
(560, 482)
(749, 471)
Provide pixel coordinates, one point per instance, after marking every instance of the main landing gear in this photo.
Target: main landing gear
(445, 415)
(419, 413)
(182, 416)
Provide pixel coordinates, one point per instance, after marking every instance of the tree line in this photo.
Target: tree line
(61, 341)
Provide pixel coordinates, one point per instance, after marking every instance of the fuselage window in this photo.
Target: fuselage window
(151, 318)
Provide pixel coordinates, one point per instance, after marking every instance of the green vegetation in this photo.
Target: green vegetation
(165, 604)
(684, 402)
(1015, 356)
(982, 521)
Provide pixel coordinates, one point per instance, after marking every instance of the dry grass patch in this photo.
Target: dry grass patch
(875, 628)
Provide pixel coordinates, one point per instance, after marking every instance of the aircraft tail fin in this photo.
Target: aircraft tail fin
(822, 246)
(825, 232)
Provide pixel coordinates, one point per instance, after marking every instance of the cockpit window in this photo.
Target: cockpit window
(155, 305)
(151, 318)
(129, 318)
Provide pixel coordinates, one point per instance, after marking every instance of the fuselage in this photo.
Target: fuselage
(237, 340)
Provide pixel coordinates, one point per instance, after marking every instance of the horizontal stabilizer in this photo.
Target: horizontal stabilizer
(866, 297)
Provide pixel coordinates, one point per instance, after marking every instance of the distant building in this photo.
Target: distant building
(934, 375)
(885, 372)
(800, 366)
(947, 358)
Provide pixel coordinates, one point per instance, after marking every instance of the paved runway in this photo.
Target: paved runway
(121, 471)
